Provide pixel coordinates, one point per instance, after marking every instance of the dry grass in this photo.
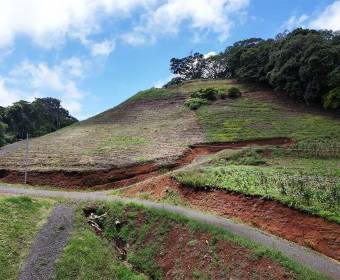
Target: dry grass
(141, 129)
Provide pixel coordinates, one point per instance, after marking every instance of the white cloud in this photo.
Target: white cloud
(30, 80)
(201, 15)
(6, 97)
(103, 49)
(295, 21)
(329, 18)
(210, 54)
(50, 22)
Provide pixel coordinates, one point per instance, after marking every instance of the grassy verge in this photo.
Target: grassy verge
(20, 220)
(87, 256)
(145, 232)
(312, 185)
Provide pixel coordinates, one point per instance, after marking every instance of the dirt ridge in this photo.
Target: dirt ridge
(123, 176)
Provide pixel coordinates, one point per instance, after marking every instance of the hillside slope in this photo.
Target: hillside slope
(154, 125)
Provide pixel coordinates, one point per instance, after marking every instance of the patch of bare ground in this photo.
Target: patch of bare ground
(198, 255)
(300, 227)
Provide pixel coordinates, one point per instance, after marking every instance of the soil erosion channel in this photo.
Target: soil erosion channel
(127, 175)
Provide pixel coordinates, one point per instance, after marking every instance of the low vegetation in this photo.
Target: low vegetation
(234, 92)
(195, 103)
(20, 220)
(249, 118)
(309, 184)
(88, 256)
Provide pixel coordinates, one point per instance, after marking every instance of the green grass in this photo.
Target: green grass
(246, 118)
(87, 256)
(145, 230)
(308, 184)
(20, 220)
(152, 93)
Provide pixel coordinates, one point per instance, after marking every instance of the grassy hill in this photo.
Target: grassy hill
(154, 125)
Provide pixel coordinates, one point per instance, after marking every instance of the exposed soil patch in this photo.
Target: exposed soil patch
(274, 217)
(127, 175)
(188, 257)
(48, 245)
(194, 255)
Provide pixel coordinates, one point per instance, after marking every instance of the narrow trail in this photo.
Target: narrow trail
(48, 245)
(306, 257)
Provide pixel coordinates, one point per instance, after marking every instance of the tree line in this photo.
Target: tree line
(303, 63)
(42, 116)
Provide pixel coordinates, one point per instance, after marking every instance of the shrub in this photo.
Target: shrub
(234, 92)
(208, 94)
(332, 99)
(248, 157)
(195, 103)
(222, 94)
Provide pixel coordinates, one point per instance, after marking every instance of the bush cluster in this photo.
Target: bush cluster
(234, 92)
(195, 103)
(207, 93)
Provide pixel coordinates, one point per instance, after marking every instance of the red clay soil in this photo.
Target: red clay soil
(127, 175)
(223, 260)
(201, 254)
(271, 216)
(98, 179)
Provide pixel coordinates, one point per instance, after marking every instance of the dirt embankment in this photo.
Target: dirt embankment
(124, 176)
(305, 229)
(195, 254)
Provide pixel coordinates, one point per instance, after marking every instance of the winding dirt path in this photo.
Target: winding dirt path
(48, 245)
(307, 257)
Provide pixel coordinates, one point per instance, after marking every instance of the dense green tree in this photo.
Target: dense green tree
(42, 116)
(190, 67)
(303, 63)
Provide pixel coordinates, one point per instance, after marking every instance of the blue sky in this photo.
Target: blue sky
(94, 54)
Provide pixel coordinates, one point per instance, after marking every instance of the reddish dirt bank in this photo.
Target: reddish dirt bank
(276, 218)
(98, 179)
(181, 261)
(124, 176)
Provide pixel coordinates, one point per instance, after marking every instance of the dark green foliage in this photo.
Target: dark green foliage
(195, 103)
(42, 116)
(248, 157)
(234, 92)
(332, 99)
(208, 94)
(190, 67)
(303, 63)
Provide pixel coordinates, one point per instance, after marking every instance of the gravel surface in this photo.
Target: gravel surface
(48, 245)
(305, 256)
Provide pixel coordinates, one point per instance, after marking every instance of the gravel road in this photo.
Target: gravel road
(305, 256)
(48, 245)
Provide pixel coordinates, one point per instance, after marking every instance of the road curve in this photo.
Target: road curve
(307, 257)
